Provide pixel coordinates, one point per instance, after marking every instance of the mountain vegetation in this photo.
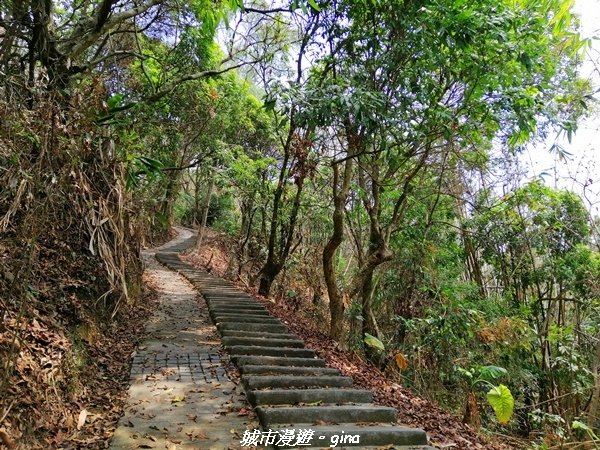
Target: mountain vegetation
(361, 160)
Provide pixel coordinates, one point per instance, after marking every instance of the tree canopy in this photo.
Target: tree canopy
(348, 150)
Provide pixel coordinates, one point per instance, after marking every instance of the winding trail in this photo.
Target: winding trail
(181, 396)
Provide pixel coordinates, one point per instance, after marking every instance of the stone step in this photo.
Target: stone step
(245, 318)
(202, 285)
(294, 415)
(259, 314)
(220, 289)
(217, 294)
(345, 435)
(239, 310)
(197, 273)
(231, 341)
(310, 396)
(211, 280)
(192, 272)
(255, 350)
(281, 370)
(199, 276)
(294, 381)
(234, 304)
(206, 280)
(222, 293)
(233, 301)
(258, 334)
(233, 307)
(214, 289)
(226, 298)
(241, 313)
(252, 326)
(217, 287)
(245, 360)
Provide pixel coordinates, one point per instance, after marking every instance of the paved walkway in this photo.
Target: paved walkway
(299, 401)
(181, 397)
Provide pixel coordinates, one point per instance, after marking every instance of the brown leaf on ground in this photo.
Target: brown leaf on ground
(84, 415)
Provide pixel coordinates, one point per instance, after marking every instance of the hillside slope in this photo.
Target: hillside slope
(444, 429)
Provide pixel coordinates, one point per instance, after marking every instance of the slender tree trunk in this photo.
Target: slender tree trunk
(378, 253)
(340, 195)
(197, 217)
(336, 305)
(296, 155)
(205, 208)
(273, 265)
(369, 323)
(167, 202)
(248, 212)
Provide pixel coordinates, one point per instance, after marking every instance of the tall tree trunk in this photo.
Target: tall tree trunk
(378, 254)
(167, 201)
(248, 211)
(273, 265)
(205, 208)
(197, 216)
(369, 322)
(340, 195)
(296, 151)
(336, 304)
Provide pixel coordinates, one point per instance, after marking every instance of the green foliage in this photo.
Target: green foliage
(577, 425)
(499, 397)
(483, 374)
(502, 401)
(222, 214)
(372, 341)
(422, 91)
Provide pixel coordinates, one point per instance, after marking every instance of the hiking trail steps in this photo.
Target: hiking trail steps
(286, 383)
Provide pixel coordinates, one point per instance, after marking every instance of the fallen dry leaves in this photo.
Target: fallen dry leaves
(212, 257)
(66, 392)
(443, 429)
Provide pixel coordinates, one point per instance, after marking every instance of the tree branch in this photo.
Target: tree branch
(90, 34)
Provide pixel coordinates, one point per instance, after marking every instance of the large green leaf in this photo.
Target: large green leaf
(372, 341)
(489, 373)
(501, 400)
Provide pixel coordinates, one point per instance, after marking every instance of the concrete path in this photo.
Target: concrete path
(181, 397)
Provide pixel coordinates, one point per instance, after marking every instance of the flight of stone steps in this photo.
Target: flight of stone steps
(289, 387)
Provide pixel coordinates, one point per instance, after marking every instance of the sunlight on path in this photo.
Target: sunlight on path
(180, 396)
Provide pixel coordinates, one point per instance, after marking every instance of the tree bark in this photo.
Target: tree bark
(340, 195)
(268, 275)
(205, 208)
(167, 201)
(278, 253)
(369, 322)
